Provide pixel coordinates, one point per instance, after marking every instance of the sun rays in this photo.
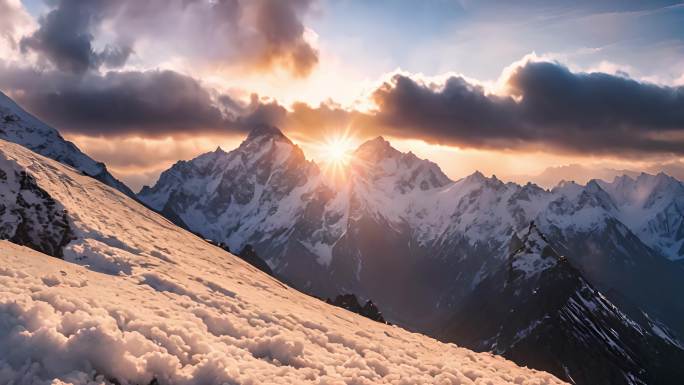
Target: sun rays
(336, 153)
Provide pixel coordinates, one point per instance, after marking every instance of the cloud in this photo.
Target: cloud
(282, 35)
(13, 21)
(78, 36)
(65, 36)
(119, 103)
(547, 106)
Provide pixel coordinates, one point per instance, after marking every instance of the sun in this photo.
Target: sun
(337, 150)
(335, 154)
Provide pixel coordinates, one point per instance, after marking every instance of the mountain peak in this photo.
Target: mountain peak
(593, 186)
(565, 183)
(379, 159)
(376, 143)
(265, 130)
(566, 187)
(594, 195)
(622, 179)
(477, 177)
(378, 139)
(376, 149)
(532, 252)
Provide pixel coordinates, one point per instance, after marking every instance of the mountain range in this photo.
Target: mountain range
(398, 231)
(579, 280)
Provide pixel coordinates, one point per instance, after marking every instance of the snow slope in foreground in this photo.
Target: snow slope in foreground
(143, 301)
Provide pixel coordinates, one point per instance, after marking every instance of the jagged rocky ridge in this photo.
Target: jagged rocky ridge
(18, 126)
(351, 303)
(539, 311)
(248, 255)
(29, 215)
(400, 232)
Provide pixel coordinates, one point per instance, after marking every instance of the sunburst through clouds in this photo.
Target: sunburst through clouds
(336, 154)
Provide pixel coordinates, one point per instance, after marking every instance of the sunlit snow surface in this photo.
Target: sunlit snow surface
(145, 300)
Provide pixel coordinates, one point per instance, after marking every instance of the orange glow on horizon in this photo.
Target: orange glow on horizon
(128, 158)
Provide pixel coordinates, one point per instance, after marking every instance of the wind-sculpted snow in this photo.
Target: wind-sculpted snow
(140, 301)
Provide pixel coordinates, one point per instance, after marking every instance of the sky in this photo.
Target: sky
(528, 90)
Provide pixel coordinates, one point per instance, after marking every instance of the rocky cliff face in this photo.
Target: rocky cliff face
(29, 216)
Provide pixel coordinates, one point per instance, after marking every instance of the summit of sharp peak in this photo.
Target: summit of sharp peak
(527, 190)
(377, 141)
(377, 158)
(479, 180)
(660, 179)
(530, 185)
(475, 177)
(624, 178)
(666, 180)
(376, 149)
(593, 195)
(566, 186)
(594, 185)
(265, 130)
(379, 148)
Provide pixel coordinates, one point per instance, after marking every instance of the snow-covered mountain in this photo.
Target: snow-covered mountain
(538, 310)
(18, 126)
(264, 193)
(653, 207)
(137, 300)
(399, 232)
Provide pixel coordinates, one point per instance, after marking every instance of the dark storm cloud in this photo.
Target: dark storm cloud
(150, 103)
(282, 31)
(65, 36)
(548, 106)
(457, 111)
(552, 95)
(257, 33)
